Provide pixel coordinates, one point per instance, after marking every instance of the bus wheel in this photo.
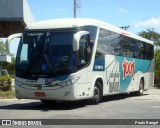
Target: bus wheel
(48, 101)
(98, 93)
(141, 88)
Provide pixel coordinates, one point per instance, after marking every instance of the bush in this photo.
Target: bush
(157, 68)
(5, 83)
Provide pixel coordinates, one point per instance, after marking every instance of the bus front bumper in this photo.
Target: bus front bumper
(67, 93)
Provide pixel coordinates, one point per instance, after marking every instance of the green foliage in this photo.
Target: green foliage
(2, 47)
(151, 35)
(5, 83)
(10, 67)
(157, 67)
(7, 94)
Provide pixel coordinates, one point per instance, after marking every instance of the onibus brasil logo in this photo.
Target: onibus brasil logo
(128, 68)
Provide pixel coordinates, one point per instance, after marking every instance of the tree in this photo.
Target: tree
(4, 65)
(154, 36)
(2, 47)
(151, 35)
(157, 66)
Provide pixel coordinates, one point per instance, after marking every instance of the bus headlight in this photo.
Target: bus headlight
(74, 80)
(68, 82)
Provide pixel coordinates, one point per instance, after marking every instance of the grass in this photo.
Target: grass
(7, 94)
(157, 85)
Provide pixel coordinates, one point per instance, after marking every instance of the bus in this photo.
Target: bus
(76, 59)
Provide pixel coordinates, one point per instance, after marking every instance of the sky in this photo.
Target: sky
(138, 14)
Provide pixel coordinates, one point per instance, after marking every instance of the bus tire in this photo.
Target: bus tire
(48, 102)
(141, 88)
(98, 94)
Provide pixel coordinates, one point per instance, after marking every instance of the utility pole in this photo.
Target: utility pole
(77, 4)
(74, 8)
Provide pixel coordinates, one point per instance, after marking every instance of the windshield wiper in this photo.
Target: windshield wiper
(45, 55)
(49, 64)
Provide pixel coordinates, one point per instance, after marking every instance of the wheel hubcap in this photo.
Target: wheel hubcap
(96, 93)
(141, 88)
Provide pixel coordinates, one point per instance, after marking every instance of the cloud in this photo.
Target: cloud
(122, 10)
(150, 23)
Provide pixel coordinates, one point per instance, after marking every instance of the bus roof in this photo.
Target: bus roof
(77, 22)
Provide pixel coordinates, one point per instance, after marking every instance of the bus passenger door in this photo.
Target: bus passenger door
(83, 59)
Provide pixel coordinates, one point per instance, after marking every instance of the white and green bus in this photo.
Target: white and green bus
(76, 59)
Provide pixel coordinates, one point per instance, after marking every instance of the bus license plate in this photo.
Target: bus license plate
(39, 94)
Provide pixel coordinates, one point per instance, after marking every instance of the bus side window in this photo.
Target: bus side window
(84, 52)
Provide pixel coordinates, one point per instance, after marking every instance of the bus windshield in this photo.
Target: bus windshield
(45, 54)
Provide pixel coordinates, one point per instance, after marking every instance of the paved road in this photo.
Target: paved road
(112, 107)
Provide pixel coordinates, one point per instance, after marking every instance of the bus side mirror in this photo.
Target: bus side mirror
(10, 38)
(77, 38)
